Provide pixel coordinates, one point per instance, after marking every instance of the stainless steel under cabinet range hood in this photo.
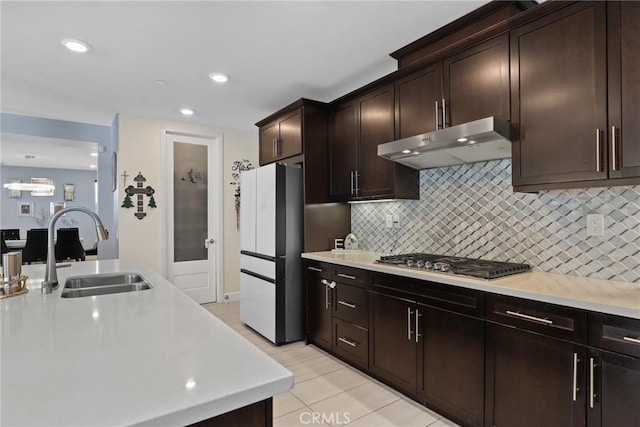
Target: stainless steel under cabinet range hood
(477, 141)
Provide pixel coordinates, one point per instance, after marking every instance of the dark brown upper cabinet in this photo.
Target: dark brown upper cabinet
(297, 134)
(281, 138)
(467, 86)
(575, 94)
(357, 126)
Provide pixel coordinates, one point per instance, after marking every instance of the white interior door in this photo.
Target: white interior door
(194, 214)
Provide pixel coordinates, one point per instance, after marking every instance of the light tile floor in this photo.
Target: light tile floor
(327, 391)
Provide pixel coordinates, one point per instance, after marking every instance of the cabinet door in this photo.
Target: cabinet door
(558, 89)
(614, 399)
(290, 138)
(375, 174)
(392, 347)
(451, 363)
(476, 83)
(624, 88)
(343, 146)
(318, 308)
(531, 380)
(416, 97)
(268, 141)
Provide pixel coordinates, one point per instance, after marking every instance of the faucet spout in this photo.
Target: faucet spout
(51, 275)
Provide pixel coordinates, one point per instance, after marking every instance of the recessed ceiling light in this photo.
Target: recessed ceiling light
(219, 77)
(76, 45)
(94, 154)
(92, 166)
(29, 156)
(462, 139)
(406, 151)
(187, 111)
(161, 82)
(472, 141)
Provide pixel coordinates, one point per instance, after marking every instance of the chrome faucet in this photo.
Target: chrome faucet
(51, 276)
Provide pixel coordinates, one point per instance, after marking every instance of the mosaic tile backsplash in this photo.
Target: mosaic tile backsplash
(471, 211)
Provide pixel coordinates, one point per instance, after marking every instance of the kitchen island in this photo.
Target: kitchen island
(152, 357)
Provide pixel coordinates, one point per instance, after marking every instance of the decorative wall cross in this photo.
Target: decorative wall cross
(140, 192)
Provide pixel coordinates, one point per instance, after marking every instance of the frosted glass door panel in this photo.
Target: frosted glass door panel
(248, 210)
(190, 181)
(266, 210)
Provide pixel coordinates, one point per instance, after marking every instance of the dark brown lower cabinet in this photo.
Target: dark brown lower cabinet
(435, 354)
(451, 363)
(613, 390)
(533, 380)
(319, 303)
(392, 346)
(259, 414)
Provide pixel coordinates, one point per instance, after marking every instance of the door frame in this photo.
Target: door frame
(218, 202)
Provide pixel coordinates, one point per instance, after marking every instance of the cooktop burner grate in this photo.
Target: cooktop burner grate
(480, 268)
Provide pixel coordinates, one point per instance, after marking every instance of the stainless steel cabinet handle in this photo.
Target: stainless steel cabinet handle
(324, 281)
(351, 181)
(598, 152)
(631, 339)
(418, 335)
(319, 270)
(526, 316)
(357, 184)
(347, 304)
(614, 150)
(326, 297)
(347, 341)
(592, 393)
(437, 114)
(575, 377)
(444, 114)
(409, 331)
(346, 276)
(273, 146)
(332, 284)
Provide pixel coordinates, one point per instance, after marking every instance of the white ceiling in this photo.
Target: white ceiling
(275, 53)
(16, 150)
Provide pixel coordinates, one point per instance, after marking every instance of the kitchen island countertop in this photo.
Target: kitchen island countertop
(153, 357)
(604, 296)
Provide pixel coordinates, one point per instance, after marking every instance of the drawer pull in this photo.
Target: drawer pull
(418, 335)
(526, 316)
(324, 282)
(347, 341)
(409, 331)
(319, 270)
(346, 276)
(346, 304)
(631, 339)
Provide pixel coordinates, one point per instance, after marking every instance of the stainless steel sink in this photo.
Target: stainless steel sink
(103, 284)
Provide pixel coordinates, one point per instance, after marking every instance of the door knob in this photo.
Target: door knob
(208, 242)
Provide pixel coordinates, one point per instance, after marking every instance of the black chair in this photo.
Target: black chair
(5, 249)
(35, 249)
(10, 233)
(68, 245)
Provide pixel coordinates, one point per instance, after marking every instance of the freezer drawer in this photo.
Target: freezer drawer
(261, 266)
(258, 305)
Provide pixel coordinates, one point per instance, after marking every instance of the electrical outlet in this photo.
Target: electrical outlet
(388, 221)
(595, 225)
(396, 220)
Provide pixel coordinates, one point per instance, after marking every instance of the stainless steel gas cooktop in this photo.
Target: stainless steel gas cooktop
(480, 268)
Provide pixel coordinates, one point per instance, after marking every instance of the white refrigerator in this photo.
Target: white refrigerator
(271, 241)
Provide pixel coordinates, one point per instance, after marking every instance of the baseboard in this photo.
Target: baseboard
(230, 297)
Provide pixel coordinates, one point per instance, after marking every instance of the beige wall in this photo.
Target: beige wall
(140, 142)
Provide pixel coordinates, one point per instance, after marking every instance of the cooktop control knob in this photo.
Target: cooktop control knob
(428, 265)
(420, 264)
(409, 263)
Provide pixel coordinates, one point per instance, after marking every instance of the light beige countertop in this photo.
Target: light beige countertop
(605, 296)
(153, 357)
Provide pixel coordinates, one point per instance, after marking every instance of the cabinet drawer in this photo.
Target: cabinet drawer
(351, 342)
(351, 304)
(616, 333)
(547, 319)
(350, 276)
(314, 267)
